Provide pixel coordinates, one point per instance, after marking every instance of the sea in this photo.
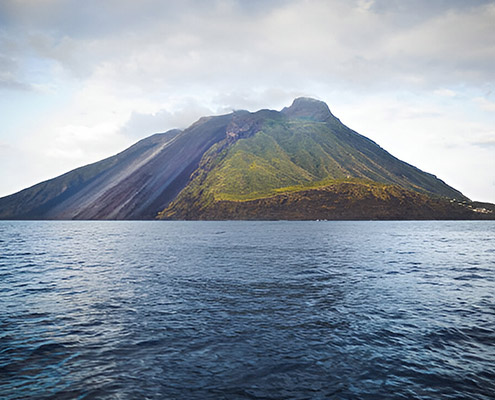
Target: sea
(247, 310)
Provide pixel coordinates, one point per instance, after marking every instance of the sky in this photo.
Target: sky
(83, 80)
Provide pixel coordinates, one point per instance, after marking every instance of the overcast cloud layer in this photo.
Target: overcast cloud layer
(82, 80)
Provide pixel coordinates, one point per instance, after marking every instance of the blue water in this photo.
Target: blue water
(247, 310)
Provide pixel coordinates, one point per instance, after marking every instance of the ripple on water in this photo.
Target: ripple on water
(280, 310)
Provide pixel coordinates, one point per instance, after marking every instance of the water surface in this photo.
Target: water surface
(247, 310)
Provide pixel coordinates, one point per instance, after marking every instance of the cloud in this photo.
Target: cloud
(486, 142)
(145, 124)
(483, 137)
(445, 92)
(9, 75)
(485, 104)
(454, 47)
(7, 81)
(220, 44)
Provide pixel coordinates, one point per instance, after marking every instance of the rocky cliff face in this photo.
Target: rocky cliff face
(309, 109)
(299, 163)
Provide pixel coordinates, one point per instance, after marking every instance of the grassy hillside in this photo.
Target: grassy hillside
(287, 155)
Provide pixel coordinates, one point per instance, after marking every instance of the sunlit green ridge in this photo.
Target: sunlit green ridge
(292, 151)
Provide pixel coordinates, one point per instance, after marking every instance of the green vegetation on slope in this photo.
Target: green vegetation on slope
(288, 155)
(337, 201)
(255, 167)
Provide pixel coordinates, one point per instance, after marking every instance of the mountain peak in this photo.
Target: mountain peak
(308, 108)
(300, 163)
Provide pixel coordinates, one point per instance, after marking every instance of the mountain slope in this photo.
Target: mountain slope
(299, 163)
(302, 147)
(134, 184)
(338, 201)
